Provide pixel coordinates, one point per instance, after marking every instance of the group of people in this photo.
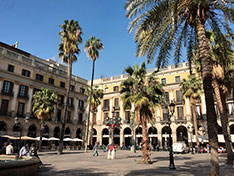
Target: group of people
(111, 149)
(7, 149)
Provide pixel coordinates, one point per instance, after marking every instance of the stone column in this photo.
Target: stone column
(29, 104)
(0, 88)
(111, 106)
(99, 115)
(13, 108)
(171, 96)
(159, 137)
(121, 111)
(121, 138)
(76, 109)
(187, 105)
(174, 137)
(203, 102)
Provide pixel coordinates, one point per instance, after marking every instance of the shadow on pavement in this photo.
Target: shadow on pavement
(55, 153)
(47, 170)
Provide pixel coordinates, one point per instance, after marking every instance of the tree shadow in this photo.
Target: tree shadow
(48, 170)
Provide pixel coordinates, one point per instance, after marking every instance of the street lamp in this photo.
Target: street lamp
(172, 110)
(112, 123)
(21, 129)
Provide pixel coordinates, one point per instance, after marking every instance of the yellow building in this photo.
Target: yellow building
(21, 74)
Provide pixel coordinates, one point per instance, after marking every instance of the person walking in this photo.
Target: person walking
(9, 149)
(24, 151)
(95, 153)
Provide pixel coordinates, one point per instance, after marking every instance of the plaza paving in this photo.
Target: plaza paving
(80, 163)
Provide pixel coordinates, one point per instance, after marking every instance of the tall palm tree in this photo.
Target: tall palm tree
(68, 48)
(145, 92)
(164, 25)
(92, 47)
(43, 107)
(222, 55)
(95, 102)
(192, 89)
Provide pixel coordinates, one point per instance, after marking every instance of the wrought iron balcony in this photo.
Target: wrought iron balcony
(181, 120)
(7, 93)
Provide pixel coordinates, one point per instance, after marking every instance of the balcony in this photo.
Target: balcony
(81, 109)
(5, 113)
(71, 106)
(60, 104)
(105, 108)
(181, 120)
(116, 107)
(23, 96)
(179, 102)
(126, 121)
(20, 115)
(164, 120)
(231, 117)
(7, 93)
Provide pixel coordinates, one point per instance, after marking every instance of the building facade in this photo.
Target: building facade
(21, 74)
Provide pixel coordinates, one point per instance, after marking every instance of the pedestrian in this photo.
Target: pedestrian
(9, 149)
(95, 153)
(3, 151)
(24, 151)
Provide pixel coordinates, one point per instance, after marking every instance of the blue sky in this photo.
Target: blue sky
(35, 25)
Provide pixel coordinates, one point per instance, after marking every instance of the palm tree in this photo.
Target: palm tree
(163, 25)
(222, 55)
(68, 48)
(192, 89)
(43, 107)
(92, 47)
(145, 93)
(95, 102)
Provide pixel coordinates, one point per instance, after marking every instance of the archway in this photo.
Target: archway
(57, 132)
(127, 137)
(105, 136)
(232, 133)
(32, 131)
(3, 128)
(67, 132)
(153, 136)
(79, 133)
(16, 130)
(138, 135)
(116, 136)
(94, 135)
(182, 134)
(46, 132)
(165, 136)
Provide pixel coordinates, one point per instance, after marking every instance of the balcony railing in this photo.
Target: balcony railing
(231, 117)
(7, 93)
(164, 120)
(116, 107)
(23, 96)
(181, 120)
(5, 113)
(71, 106)
(105, 108)
(20, 115)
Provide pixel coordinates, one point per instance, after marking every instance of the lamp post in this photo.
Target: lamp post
(21, 129)
(112, 123)
(172, 110)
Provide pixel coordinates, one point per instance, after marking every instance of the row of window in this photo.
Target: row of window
(164, 80)
(8, 89)
(40, 77)
(115, 89)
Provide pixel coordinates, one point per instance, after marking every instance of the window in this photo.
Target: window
(199, 114)
(177, 79)
(39, 77)
(61, 100)
(80, 119)
(72, 88)
(81, 104)
(4, 107)
(62, 84)
(106, 104)
(20, 111)
(231, 108)
(127, 116)
(116, 88)
(51, 81)
(70, 101)
(59, 113)
(11, 68)
(179, 96)
(116, 103)
(82, 90)
(106, 90)
(166, 97)
(68, 116)
(180, 112)
(164, 81)
(23, 91)
(26, 73)
(165, 112)
(7, 87)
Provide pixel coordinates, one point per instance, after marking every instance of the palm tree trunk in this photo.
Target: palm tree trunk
(145, 148)
(69, 72)
(91, 130)
(90, 101)
(195, 123)
(206, 68)
(220, 98)
(41, 134)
